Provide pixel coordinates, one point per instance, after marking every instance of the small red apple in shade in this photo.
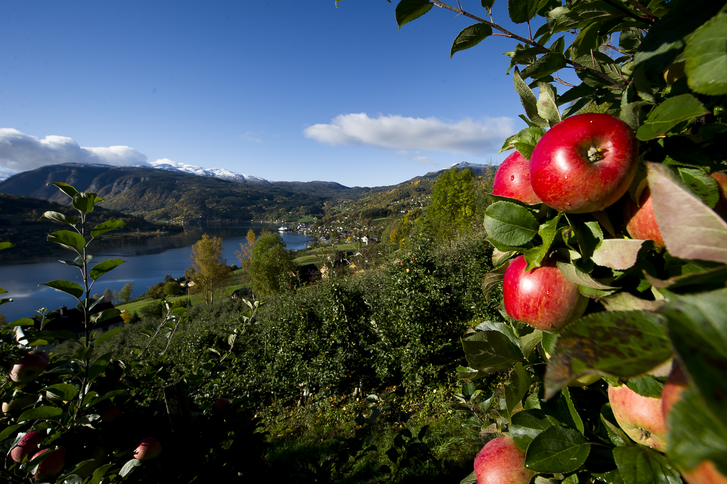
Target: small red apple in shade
(584, 163)
(543, 297)
(148, 448)
(640, 417)
(705, 472)
(109, 413)
(501, 462)
(50, 465)
(27, 445)
(640, 220)
(28, 367)
(512, 180)
(220, 404)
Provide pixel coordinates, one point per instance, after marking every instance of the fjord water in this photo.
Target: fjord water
(148, 261)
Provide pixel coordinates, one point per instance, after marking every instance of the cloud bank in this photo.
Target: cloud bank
(473, 137)
(23, 152)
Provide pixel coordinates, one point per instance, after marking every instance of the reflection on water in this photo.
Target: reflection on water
(147, 262)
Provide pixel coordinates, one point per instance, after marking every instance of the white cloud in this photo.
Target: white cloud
(23, 152)
(473, 137)
(251, 137)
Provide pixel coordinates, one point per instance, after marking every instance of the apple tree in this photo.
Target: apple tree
(624, 112)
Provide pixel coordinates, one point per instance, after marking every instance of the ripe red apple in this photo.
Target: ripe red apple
(51, 465)
(220, 404)
(29, 367)
(640, 220)
(543, 297)
(584, 163)
(640, 417)
(501, 461)
(705, 472)
(148, 448)
(27, 445)
(512, 180)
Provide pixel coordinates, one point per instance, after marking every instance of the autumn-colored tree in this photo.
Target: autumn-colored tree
(210, 270)
(245, 252)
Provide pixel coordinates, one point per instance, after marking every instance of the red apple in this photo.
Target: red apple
(640, 220)
(148, 448)
(29, 367)
(27, 445)
(543, 297)
(109, 413)
(705, 472)
(584, 163)
(640, 417)
(501, 461)
(220, 404)
(50, 465)
(512, 180)
(721, 206)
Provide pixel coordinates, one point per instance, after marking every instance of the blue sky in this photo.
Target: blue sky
(286, 91)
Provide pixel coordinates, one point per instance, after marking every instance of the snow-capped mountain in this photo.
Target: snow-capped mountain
(221, 173)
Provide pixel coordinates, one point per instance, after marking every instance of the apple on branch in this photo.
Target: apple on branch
(27, 445)
(28, 367)
(501, 461)
(640, 417)
(584, 163)
(543, 297)
(147, 449)
(512, 180)
(51, 464)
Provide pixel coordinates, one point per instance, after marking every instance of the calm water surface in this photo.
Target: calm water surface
(147, 263)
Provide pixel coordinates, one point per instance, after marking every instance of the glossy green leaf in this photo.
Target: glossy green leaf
(44, 412)
(523, 10)
(491, 350)
(646, 386)
(557, 450)
(62, 391)
(574, 415)
(691, 230)
(640, 465)
(527, 425)
(103, 267)
(668, 114)
(108, 334)
(548, 104)
(581, 278)
(106, 226)
(470, 36)
(706, 57)
(66, 286)
(84, 202)
(6, 245)
(623, 344)
(408, 10)
(516, 387)
(528, 100)
(99, 365)
(68, 239)
(545, 65)
(510, 224)
(58, 217)
(66, 188)
(703, 185)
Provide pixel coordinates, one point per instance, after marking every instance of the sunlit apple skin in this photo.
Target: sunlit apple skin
(27, 445)
(512, 180)
(705, 472)
(29, 367)
(51, 465)
(585, 163)
(640, 220)
(147, 449)
(640, 417)
(543, 297)
(501, 461)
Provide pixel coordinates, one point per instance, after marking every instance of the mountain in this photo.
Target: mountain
(220, 173)
(477, 169)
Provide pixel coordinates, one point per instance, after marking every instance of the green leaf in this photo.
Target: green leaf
(108, 334)
(510, 224)
(572, 410)
(487, 4)
(521, 11)
(690, 229)
(99, 473)
(470, 36)
(44, 412)
(129, 467)
(618, 343)
(66, 188)
(58, 217)
(646, 386)
(695, 435)
(581, 278)
(491, 350)
(641, 465)
(6, 245)
(68, 239)
(408, 10)
(698, 330)
(548, 104)
(525, 140)
(668, 114)
(557, 450)
(529, 102)
(99, 365)
(106, 226)
(103, 267)
(527, 425)
(66, 286)
(8, 431)
(545, 65)
(84, 202)
(516, 387)
(703, 185)
(619, 254)
(62, 391)
(706, 57)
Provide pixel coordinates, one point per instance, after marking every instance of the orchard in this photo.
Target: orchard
(613, 258)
